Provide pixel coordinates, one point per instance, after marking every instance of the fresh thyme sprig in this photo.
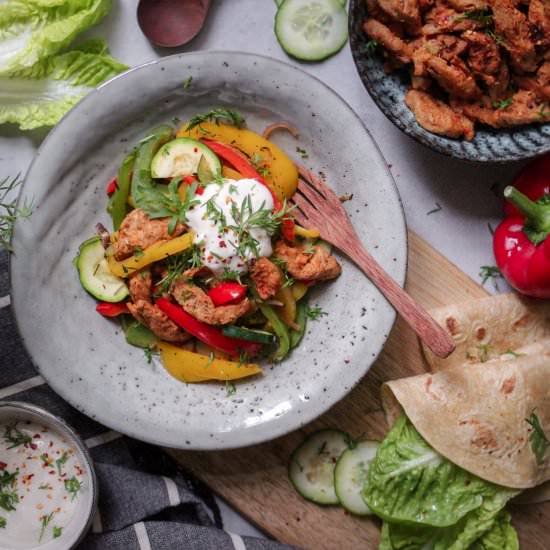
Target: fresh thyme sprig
(9, 211)
(16, 437)
(314, 313)
(538, 439)
(217, 115)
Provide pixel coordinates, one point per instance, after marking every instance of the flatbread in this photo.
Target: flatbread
(474, 415)
(486, 328)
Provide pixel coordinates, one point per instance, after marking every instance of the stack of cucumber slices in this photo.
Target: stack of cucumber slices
(311, 30)
(330, 468)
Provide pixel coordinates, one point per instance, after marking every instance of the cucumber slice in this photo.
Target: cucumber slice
(350, 475)
(94, 273)
(311, 468)
(181, 157)
(252, 335)
(311, 30)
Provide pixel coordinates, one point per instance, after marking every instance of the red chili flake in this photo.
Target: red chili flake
(33, 446)
(79, 470)
(22, 497)
(36, 436)
(51, 472)
(222, 244)
(195, 150)
(2, 465)
(50, 444)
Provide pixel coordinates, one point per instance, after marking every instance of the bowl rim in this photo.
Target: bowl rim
(281, 429)
(419, 138)
(67, 429)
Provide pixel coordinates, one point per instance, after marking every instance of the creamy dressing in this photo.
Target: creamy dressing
(213, 222)
(49, 479)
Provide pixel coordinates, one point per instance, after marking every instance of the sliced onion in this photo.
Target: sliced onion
(281, 125)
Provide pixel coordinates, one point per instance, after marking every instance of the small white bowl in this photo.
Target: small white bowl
(16, 411)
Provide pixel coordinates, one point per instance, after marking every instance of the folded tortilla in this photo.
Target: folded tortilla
(488, 328)
(475, 415)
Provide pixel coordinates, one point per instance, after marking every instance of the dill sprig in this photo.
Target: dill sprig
(503, 103)
(487, 272)
(16, 437)
(217, 115)
(9, 211)
(314, 313)
(538, 439)
(482, 16)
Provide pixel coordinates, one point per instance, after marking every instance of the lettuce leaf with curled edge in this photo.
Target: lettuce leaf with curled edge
(408, 482)
(32, 30)
(42, 94)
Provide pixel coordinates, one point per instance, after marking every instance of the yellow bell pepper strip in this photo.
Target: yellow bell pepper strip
(287, 312)
(299, 290)
(230, 173)
(154, 253)
(280, 330)
(194, 367)
(279, 172)
(306, 233)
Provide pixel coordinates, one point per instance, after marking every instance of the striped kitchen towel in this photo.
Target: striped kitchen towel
(146, 502)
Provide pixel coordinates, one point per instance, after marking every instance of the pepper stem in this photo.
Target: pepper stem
(537, 216)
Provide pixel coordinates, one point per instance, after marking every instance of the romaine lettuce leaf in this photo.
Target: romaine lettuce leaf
(42, 94)
(502, 535)
(32, 30)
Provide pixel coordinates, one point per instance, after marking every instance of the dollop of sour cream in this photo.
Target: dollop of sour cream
(214, 224)
(41, 479)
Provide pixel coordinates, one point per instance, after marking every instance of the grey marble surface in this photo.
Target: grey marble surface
(459, 229)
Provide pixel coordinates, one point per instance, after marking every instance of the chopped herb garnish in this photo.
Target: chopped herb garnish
(538, 439)
(8, 496)
(230, 388)
(45, 522)
(482, 16)
(148, 352)
(499, 40)
(302, 152)
(211, 358)
(230, 275)
(218, 115)
(542, 113)
(314, 313)
(72, 486)
(46, 459)
(484, 351)
(45, 487)
(9, 211)
(487, 272)
(369, 47)
(513, 353)
(16, 437)
(138, 252)
(434, 210)
(61, 460)
(3, 522)
(503, 103)
(57, 532)
(187, 82)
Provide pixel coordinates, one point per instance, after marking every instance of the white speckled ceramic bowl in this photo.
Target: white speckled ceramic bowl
(17, 412)
(85, 358)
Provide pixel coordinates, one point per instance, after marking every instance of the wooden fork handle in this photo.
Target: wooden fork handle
(432, 334)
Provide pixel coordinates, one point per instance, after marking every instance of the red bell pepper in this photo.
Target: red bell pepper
(521, 244)
(111, 187)
(109, 309)
(212, 336)
(228, 292)
(189, 180)
(533, 180)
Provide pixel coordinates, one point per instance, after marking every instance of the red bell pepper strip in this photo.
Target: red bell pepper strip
(109, 309)
(189, 180)
(111, 187)
(522, 247)
(228, 292)
(533, 180)
(236, 159)
(288, 230)
(208, 334)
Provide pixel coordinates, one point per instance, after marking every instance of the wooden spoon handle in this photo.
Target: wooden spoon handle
(432, 334)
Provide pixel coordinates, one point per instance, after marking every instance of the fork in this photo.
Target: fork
(317, 206)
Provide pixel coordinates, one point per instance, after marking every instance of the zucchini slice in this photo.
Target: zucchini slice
(94, 273)
(181, 157)
(311, 468)
(350, 475)
(311, 30)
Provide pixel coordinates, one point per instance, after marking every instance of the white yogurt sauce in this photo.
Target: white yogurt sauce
(48, 481)
(219, 247)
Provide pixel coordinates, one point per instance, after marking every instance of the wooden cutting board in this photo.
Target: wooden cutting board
(254, 480)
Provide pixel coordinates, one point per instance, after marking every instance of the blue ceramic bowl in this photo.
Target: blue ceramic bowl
(388, 92)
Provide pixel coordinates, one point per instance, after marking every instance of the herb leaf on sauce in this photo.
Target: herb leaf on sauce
(218, 115)
(8, 496)
(314, 313)
(60, 461)
(45, 522)
(72, 486)
(16, 437)
(57, 532)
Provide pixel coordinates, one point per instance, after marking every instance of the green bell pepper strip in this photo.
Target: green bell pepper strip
(301, 320)
(118, 205)
(145, 193)
(280, 330)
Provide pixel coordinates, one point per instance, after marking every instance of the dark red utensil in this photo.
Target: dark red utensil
(171, 23)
